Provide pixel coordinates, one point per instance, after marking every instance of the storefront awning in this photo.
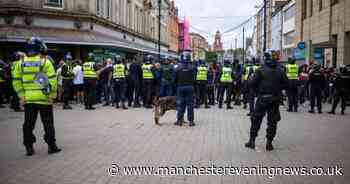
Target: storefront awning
(72, 37)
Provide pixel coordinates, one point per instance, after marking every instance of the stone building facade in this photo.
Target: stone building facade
(324, 26)
(199, 46)
(107, 27)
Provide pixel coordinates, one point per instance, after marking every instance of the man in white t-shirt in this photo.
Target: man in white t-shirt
(78, 82)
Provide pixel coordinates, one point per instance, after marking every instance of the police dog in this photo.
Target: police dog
(162, 105)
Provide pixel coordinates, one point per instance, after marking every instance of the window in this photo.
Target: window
(333, 2)
(54, 3)
(303, 9)
(109, 8)
(289, 38)
(311, 7)
(99, 7)
(289, 13)
(320, 5)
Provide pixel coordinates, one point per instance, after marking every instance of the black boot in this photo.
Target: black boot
(29, 150)
(331, 112)
(53, 149)
(245, 106)
(269, 146)
(124, 107)
(207, 106)
(67, 107)
(251, 143)
(220, 106)
(311, 111)
(178, 123)
(192, 124)
(342, 111)
(91, 107)
(117, 105)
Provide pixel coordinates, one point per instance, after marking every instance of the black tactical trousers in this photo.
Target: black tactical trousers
(228, 88)
(269, 105)
(119, 91)
(292, 93)
(343, 96)
(67, 90)
(316, 95)
(30, 117)
(147, 86)
(90, 91)
(201, 93)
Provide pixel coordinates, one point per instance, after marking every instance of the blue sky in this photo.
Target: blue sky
(208, 16)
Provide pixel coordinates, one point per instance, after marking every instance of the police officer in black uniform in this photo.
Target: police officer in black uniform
(67, 81)
(342, 86)
(268, 82)
(185, 79)
(317, 82)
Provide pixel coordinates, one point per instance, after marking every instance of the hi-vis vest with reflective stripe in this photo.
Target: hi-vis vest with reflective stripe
(146, 71)
(248, 68)
(24, 82)
(292, 71)
(226, 75)
(89, 70)
(118, 71)
(202, 73)
(70, 71)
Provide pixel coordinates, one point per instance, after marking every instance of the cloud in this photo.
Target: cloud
(208, 16)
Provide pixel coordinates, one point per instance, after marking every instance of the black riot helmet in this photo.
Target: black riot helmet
(269, 60)
(149, 59)
(91, 57)
(291, 60)
(117, 59)
(186, 57)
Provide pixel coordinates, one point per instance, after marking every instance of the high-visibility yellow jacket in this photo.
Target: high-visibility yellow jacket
(226, 76)
(24, 72)
(119, 71)
(202, 73)
(247, 69)
(89, 70)
(147, 71)
(292, 71)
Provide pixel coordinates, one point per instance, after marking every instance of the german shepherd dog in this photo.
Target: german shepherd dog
(162, 105)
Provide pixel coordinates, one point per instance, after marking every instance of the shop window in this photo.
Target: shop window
(54, 3)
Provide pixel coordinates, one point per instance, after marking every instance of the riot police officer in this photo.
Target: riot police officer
(148, 81)
(317, 83)
(226, 77)
(342, 86)
(166, 88)
(202, 85)
(249, 93)
(292, 90)
(184, 78)
(67, 80)
(119, 78)
(90, 81)
(268, 82)
(36, 85)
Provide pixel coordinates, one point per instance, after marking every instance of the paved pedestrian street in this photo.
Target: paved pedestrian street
(92, 141)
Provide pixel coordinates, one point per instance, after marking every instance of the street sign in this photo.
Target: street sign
(301, 45)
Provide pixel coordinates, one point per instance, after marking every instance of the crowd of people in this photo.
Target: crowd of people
(115, 82)
(33, 81)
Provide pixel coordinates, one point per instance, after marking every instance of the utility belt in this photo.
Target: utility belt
(119, 79)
